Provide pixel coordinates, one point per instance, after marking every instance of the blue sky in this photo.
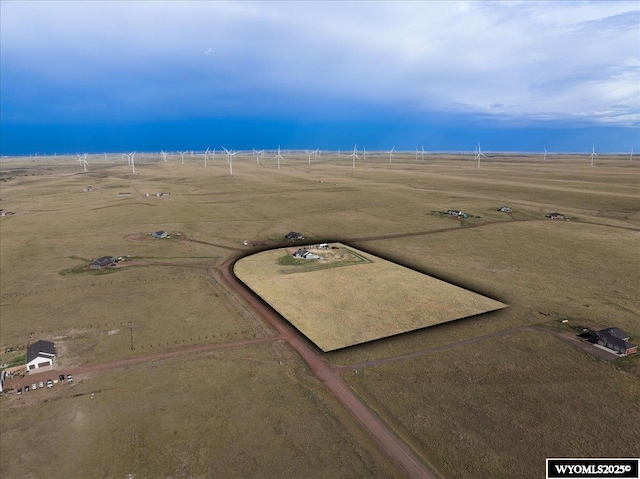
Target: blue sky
(516, 76)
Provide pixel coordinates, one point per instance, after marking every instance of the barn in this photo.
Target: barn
(103, 262)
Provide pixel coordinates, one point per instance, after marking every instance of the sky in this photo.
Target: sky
(115, 76)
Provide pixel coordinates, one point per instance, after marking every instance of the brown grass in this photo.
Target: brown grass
(338, 307)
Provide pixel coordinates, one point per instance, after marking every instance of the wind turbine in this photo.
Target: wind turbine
(230, 159)
(354, 155)
(182, 153)
(479, 154)
(593, 153)
(133, 165)
(364, 153)
(309, 153)
(279, 157)
(416, 154)
(391, 154)
(164, 155)
(631, 155)
(422, 152)
(545, 154)
(83, 161)
(206, 157)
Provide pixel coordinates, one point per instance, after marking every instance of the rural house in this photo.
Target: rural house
(103, 262)
(160, 234)
(556, 216)
(615, 339)
(505, 209)
(40, 356)
(292, 235)
(303, 253)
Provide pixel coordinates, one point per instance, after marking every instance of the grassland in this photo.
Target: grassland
(462, 409)
(498, 408)
(337, 307)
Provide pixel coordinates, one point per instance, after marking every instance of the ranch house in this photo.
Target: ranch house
(615, 339)
(103, 262)
(40, 356)
(160, 234)
(292, 235)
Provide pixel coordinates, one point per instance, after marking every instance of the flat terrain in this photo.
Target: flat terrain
(485, 396)
(356, 298)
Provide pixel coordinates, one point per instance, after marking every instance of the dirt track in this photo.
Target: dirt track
(396, 449)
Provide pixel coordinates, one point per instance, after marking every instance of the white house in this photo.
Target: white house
(40, 356)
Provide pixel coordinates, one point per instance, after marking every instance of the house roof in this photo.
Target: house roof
(38, 347)
(613, 333)
(105, 260)
(616, 337)
(160, 233)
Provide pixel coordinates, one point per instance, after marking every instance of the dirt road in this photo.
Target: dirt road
(394, 447)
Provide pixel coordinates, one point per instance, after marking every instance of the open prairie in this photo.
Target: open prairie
(516, 389)
(345, 302)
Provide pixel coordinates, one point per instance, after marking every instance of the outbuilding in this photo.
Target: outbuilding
(160, 234)
(41, 356)
(505, 209)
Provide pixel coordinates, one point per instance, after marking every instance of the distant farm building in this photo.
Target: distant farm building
(103, 262)
(125, 194)
(40, 356)
(4, 212)
(456, 214)
(87, 189)
(505, 209)
(163, 194)
(292, 235)
(615, 339)
(556, 216)
(160, 234)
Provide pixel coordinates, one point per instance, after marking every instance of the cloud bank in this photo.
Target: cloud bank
(575, 62)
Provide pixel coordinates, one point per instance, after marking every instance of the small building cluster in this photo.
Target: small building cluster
(615, 339)
(456, 214)
(292, 235)
(40, 356)
(557, 216)
(305, 254)
(505, 209)
(157, 194)
(160, 234)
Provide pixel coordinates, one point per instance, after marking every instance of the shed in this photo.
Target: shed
(40, 356)
(292, 235)
(505, 209)
(160, 234)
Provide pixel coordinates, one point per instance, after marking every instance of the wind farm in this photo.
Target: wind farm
(387, 210)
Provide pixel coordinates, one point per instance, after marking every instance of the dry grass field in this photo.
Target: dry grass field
(239, 412)
(250, 412)
(348, 302)
(498, 408)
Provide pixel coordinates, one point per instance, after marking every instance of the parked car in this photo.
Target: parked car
(34, 386)
(41, 384)
(49, 384)
(69, 378)
(61, 378)
(26, 389)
